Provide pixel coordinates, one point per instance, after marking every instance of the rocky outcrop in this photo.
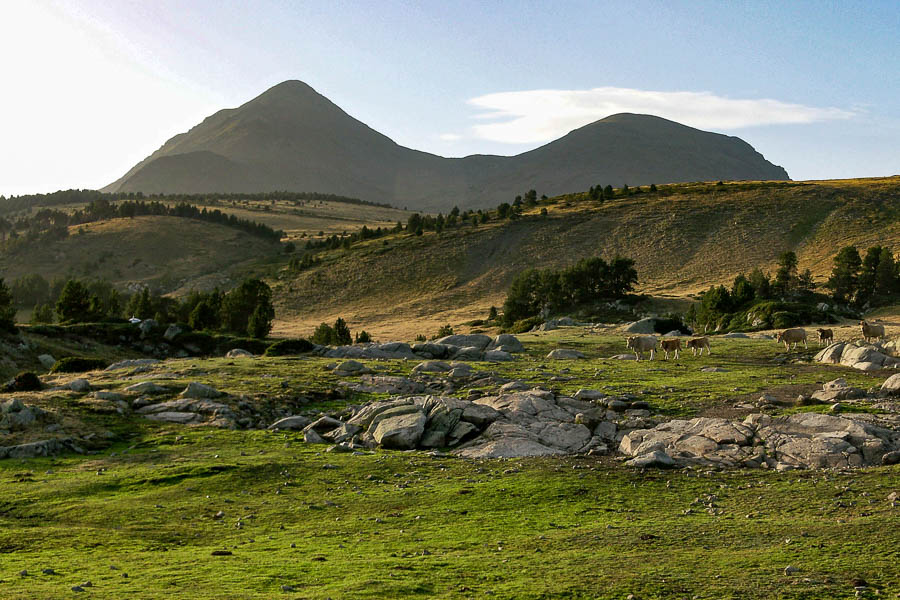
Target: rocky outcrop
(473, 347)
(865, 357)
(190, 410)
(50, 447)
(803, 440)
(643, 326)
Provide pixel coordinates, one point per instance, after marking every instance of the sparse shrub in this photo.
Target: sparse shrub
(492, 314)
(289, 347)
(323, 335)
(669, 323)
(421, 337)
(78, 364)
(444, 331)
(524, 325)
(363, 337)
(26, 381)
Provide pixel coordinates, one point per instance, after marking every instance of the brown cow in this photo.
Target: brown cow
(792, 336)
(670, 345)
(698, 344)
(872, 331)
(825, 335)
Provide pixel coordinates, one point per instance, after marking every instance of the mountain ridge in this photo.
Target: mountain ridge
(290, 137)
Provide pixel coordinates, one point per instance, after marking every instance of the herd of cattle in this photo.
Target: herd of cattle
(789, 337)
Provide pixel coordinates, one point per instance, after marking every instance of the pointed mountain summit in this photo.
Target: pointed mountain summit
(292, 138)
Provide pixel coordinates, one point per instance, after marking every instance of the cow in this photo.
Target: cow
(792, 336)
(871, 331)
(698, 343)
(640, 344)
(670, 345)
(825, 335)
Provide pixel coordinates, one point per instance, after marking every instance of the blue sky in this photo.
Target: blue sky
(92, 87)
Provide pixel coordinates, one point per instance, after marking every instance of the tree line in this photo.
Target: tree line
(28, 201)
(245, 310)
(50, 224)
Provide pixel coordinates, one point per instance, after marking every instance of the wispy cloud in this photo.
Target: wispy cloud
(450, 137)
(541, 115)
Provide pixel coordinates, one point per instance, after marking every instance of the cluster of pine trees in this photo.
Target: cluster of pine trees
(245, 310)
(588, 281)
(872, 280)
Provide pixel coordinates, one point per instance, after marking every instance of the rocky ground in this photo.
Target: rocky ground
(455, 402)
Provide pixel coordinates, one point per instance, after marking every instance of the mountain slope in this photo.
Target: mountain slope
(292, 138)
(683, 240)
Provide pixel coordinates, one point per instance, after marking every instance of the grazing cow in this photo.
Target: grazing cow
(640, 344)
(792, 336)
(825, 335)
(872, 331)
(670, 345)
(698, 344)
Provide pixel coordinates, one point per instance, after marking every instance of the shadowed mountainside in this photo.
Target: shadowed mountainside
(293, 138)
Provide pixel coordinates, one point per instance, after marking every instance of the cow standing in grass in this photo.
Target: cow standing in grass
(698, 343)
(670, 345)
(825, 335)
(873, 332)
(640, 344)
(792, 336)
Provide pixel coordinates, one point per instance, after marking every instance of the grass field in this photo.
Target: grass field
(299, 522)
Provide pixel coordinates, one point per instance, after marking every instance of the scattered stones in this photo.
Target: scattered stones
(565, 354)
(200, 390)
(132, 363)
(351, 367)
(146, 387)
(82, 386)
(713, 370)
(238, 353)
(47, 361)
(294, 423)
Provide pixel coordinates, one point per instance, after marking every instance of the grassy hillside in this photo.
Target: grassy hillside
(684, 239)
(166, 251)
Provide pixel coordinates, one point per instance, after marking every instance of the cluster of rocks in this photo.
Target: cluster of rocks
(802, 440)
(859, 355)
(16, 417)
(472, 347)
(514, 423)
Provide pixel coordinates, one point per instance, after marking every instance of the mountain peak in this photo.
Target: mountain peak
(290, 137)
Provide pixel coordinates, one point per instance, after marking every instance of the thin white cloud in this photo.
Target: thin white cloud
(533, 116)
(450, 137)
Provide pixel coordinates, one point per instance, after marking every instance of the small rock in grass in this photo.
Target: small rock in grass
(790, 570)
(48, 572)
(77, 588)
(221, 552)
(287, 588)
(87, 584)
